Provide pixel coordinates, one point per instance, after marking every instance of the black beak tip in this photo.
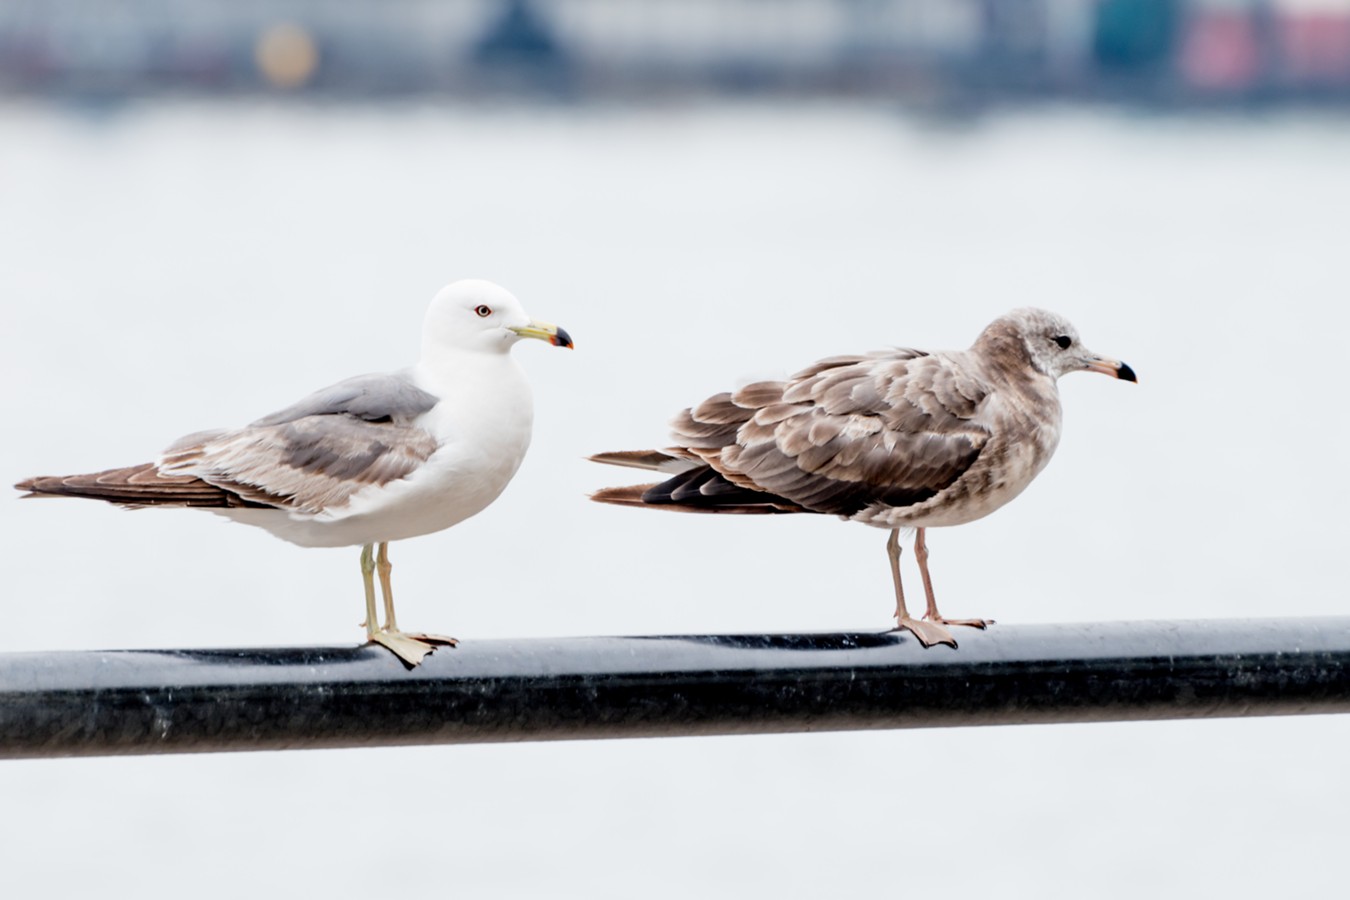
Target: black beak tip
(563, 339)
(1125, 373)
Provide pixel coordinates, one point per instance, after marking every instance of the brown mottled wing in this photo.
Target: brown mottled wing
(892, 428)
(309, 464)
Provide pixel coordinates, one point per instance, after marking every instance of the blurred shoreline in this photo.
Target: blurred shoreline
(946, 56)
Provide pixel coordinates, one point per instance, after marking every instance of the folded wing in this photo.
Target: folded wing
(309, 457)
(892, 428)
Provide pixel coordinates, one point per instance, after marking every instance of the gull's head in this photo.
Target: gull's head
(478, 315)
(1051, 344)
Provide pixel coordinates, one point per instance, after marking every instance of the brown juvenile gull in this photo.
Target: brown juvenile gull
(895, 439)
(372, 459)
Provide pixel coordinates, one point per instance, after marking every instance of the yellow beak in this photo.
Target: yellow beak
(545, 332)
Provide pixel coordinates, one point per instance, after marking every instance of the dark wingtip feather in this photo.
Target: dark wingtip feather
(632, 496)
(698, 491)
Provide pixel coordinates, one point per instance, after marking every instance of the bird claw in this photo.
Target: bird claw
(439, 640)
(972, 623)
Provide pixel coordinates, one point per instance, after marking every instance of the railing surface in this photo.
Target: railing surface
(86, 703)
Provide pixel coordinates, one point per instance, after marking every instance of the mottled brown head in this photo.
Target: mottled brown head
(1045, 341)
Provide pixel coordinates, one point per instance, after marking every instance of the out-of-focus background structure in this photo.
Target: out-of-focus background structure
(210, 209)
(940, 52)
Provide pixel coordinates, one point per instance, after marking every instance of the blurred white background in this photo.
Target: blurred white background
(174, 267)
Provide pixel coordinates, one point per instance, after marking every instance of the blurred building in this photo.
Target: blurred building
(956, 50)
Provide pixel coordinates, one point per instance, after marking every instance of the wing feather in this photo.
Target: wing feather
(310, 457)
(372, 398)
(308, 464)
(892, 428)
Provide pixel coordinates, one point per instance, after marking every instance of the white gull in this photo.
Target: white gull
(369, 460)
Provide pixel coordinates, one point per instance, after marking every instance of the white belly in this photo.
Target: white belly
(481, 447)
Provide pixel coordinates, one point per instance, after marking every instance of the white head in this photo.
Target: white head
(1048, 342)
(481, 316)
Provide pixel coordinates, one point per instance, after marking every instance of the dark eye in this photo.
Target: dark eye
(1063, 340)
(483, 310)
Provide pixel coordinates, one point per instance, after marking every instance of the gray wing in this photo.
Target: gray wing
(893, 428)
(374, 398)
(316, 454)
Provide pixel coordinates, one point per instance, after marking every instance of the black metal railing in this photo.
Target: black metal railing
(85, 703)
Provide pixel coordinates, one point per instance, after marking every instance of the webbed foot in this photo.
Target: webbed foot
(928, 633)
(411, 648)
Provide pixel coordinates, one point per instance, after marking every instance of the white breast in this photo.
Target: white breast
(482, 426)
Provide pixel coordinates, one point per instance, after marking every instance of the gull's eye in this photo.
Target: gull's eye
(1063, 340)
(483, 310)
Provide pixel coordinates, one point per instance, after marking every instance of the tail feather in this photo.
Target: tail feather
(141, 485)
(671, 462)
(628, 495)
(695, 488)
(631, 495)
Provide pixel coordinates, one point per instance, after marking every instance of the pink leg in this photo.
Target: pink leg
(932, 615)
(928, 633)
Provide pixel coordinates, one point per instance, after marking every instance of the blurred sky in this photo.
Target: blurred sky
(183, 265)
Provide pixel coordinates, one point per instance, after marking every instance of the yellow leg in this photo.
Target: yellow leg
(368, 576)
(411, 648)
(385, 567)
